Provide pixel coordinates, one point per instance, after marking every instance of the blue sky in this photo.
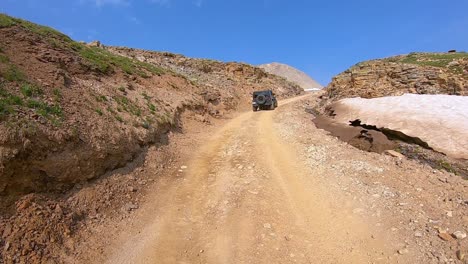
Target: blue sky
(322, 38)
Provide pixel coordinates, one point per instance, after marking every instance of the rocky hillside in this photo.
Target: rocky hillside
(418, 73)
(291, 74)
(232, 82)
(71, 112)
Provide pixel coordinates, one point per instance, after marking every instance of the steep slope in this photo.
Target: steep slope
(291, 74)
(234, 81)
(71, 112)
(418, 73)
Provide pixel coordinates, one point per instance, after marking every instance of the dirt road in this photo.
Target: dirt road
(249, 196)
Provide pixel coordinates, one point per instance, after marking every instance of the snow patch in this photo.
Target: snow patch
(439, 120)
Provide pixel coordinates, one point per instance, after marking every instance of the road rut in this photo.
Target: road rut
(247, 197)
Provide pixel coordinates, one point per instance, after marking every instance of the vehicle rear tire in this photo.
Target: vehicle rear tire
(254, 108)
(272, 107)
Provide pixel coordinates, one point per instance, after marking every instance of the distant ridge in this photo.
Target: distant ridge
(291, 74)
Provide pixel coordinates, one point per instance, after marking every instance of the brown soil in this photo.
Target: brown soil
(368, 140)
(74, 119)
(310, 197)
(70, 113)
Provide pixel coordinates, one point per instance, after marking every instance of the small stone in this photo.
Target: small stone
(201, 251)
(449, 213)
(183, 167)
(459, 235)
(240, 167)
(460, 255)
(403, 251)
(131, 189)
(394, 154)
(418, 234)
(7, 246)
(445, 237)
(267, 225)
(130, 206)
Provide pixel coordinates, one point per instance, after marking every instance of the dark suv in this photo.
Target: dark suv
(264, 100)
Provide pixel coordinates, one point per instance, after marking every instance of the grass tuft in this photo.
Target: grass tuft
(13, 74)
(440, 60)
(30, 90)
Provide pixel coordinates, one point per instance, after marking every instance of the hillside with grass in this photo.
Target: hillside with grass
(71, 112)
(417, 73)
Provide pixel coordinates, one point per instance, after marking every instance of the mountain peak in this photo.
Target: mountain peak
(291, 74)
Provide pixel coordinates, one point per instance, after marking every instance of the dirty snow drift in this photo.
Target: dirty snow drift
(439, 120)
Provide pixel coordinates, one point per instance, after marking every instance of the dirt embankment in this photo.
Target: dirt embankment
(71, 113)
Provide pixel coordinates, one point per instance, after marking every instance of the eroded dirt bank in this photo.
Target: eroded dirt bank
(270, 187)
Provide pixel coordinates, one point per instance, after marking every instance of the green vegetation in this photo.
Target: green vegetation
(119, 118)
(444, 165)
(152, 107)
(30, 97)
(7, 21)
(128, 106)
(122, 89)
(45, 109)
(100, 98)
(57, 94)
(99, 111)
(440, 60)
(8, 102)
(146, 96)
(30, 90)
(103, 61)
(13, 74)
(4, 58)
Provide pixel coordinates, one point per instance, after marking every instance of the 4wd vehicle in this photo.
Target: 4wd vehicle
(264, 100)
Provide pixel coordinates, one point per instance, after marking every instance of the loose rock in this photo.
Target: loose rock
(445, 237)
(459, 235)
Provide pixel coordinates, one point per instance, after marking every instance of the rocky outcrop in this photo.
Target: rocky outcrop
(418, 73)
(235, 81)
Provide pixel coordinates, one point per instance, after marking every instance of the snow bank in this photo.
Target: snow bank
(439, 120)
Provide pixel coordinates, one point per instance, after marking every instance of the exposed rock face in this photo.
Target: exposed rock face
(291, 74)
(419, 73)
